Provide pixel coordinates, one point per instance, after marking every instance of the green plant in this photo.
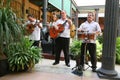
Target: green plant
(98, 50)
(75, 48)
(76, 45)
(10, 30)
(22, 55)
(100, 39)
(118, 50)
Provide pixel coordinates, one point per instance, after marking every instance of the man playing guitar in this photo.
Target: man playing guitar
(62, 41)
(34, 29)
(52, 31)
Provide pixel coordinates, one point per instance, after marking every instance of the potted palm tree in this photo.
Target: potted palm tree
(10, 31)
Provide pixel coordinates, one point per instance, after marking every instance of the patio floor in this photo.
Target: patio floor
(44, 70)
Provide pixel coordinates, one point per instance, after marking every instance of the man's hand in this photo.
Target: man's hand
(69, 22)
(80, 30)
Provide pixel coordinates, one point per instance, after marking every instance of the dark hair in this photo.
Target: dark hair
(30, 15)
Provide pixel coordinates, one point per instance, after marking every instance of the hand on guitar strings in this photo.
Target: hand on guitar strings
(38, 24)
(81, 30)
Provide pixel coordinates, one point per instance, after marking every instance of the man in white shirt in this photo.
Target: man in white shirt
(35, 35)
(63, 40)
(89, 28)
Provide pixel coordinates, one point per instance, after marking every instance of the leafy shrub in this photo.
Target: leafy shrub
(99, 50)
(10, 29)
(100, 39)
(22, 56)
(75, 48)
(118, 50)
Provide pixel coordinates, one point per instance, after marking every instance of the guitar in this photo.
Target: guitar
(30, 27)
(55, 33)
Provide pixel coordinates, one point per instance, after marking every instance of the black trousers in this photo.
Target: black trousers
(62, 44)
(91, 47)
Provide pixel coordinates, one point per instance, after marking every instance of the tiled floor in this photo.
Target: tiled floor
(44, 70)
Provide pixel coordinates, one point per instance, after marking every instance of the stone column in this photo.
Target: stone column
(119, 24)
(96, 14)
(107, 69)
(71, 8)
(45, 12)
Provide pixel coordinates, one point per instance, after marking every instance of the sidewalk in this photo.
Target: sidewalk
(44, 70)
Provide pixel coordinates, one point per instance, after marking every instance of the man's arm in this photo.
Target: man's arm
(98, 32)
(40, 25)
(70, 22)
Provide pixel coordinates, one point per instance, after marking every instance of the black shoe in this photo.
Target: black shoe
(68, 65)
(55, 63)
(93, 70)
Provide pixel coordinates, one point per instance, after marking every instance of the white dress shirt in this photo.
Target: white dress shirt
(90, 28)
(35, 35)
(66, 32)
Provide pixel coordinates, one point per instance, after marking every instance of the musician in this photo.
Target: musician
(89, 27)
(62, 41)
(52, 23)
(35, 35)
(54, 19)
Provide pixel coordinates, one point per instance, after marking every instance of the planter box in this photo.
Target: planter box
(4, 67)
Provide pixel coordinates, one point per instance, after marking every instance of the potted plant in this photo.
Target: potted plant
(118, 50)
(10, 31)
(75, 50)
(22, 55)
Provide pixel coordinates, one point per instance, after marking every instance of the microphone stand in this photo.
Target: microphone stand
(85, 53)
(80, 68)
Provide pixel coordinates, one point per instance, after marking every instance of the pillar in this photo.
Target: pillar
(45, 12)
(62, 4)
(96, 14)
(118, 33)
(107, 69)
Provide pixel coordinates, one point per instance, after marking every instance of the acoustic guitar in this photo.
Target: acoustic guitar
(30, 28)
(55, 33)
